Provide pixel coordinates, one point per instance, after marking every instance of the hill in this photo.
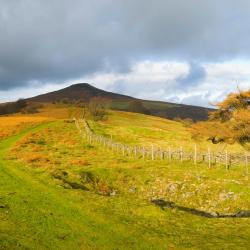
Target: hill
(78, 92)
(83, 92)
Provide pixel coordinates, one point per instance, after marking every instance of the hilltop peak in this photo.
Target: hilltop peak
(80, 92)
(81, 85)
(84, 92)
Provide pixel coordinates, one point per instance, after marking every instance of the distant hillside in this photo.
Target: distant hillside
(83, 92)
(78, 92)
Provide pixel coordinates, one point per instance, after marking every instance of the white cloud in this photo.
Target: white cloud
(158, 80)
(31, 90)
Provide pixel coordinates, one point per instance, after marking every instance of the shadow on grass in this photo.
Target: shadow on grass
(168, 204)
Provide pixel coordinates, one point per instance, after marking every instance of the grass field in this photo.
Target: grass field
(137, 129)
(59, 192)
(12, 125)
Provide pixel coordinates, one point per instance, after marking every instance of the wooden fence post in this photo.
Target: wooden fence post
(209, 157)
(128, 151)
(181, 154)
(226, 160)
(246, 162)
(195, 154)
(161, 153)
(108, 143)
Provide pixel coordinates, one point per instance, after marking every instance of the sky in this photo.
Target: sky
(183, 51)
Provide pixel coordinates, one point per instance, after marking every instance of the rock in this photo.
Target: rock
(215, 214)
(162, 203)
(132, 189)
(243, 213)
(226, 196)
(112, 193)
(172, 187)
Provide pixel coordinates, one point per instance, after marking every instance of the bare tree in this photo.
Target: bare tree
(98, 108)
(138, 107)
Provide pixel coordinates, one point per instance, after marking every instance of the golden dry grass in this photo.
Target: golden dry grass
(14, 124)
(57, 111)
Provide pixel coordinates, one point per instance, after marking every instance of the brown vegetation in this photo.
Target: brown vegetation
(138, 107)
(12, 107)
(230, 123)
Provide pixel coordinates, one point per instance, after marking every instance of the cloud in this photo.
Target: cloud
(196, 75)
(209, 82)
(159, 81)
(151, 49)
(59, 40)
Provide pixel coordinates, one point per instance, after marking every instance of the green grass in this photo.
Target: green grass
(151, 105)
(138, 129)
(41, 211)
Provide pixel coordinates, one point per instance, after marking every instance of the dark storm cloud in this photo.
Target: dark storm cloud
(57, 40)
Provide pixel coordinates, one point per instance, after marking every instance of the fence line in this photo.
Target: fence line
(153, 153)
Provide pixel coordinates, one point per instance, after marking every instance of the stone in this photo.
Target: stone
(112, 193)
(172, 187)
(243, 213)
(214, 214)
(132, 189)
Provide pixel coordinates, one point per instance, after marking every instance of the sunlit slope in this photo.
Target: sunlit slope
(14, 124)
(138, 129)
(60, 192)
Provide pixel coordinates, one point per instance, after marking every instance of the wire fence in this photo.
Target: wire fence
(156, 153)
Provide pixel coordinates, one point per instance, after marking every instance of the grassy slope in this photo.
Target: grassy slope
(44, 213)
(151, 105)
(164, 109)
(43, 216)
(137, 129)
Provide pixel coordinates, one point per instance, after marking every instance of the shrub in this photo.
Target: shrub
(12, 107)
(98, 108)
(138, 107)
(230, 122)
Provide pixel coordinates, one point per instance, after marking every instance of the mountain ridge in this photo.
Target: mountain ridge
(83, 92)
(78, 92)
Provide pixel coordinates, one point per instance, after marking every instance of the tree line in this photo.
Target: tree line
(20, 105)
